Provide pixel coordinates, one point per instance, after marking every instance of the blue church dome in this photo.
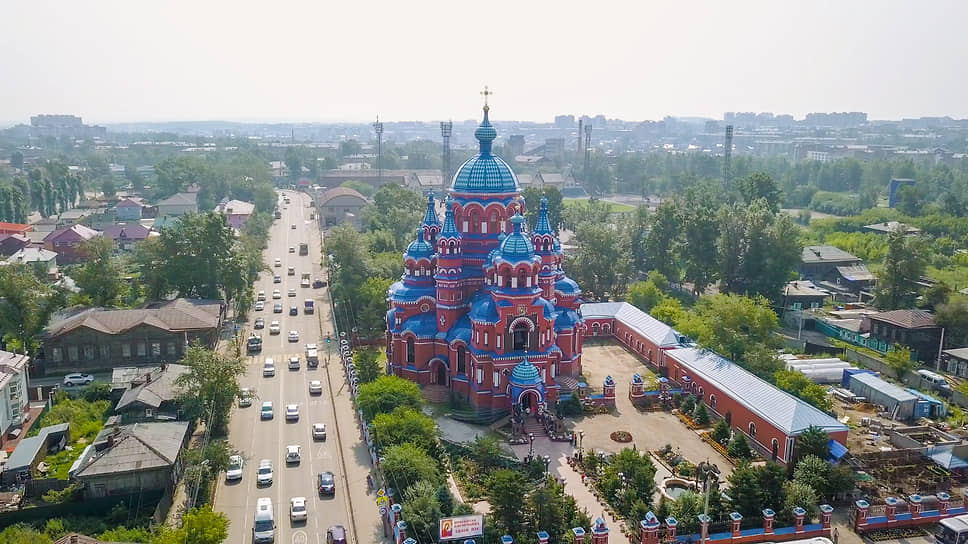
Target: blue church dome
(525, 373)
(431, 218)
(517, 247)
(450, 227)
(543, 226)
(420, 248)
(485, 172)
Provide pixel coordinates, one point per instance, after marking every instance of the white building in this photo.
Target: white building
(13, 389)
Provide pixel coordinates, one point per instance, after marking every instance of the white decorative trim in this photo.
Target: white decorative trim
(514, 323)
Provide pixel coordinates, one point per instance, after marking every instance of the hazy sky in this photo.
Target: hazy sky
(349, 60)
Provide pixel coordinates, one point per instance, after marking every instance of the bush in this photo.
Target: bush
(571, 406)
(739, 448)
(701, 415)
(720, 432)
(687, 404)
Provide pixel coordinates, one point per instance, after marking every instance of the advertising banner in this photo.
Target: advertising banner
(461, 527)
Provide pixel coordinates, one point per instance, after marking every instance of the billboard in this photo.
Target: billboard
(461, 527)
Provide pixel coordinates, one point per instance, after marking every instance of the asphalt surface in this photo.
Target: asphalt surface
(260, 439)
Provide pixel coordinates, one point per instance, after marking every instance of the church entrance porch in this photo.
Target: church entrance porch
(529, 400)
(438, 372)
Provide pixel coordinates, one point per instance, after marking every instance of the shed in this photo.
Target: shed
(928, 406)
(32, 450)
(899, 403)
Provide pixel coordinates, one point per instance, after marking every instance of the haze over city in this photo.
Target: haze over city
(322, 61)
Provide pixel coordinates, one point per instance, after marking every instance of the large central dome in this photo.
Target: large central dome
(485, 172)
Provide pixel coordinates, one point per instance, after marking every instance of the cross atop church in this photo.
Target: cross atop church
(486, 93)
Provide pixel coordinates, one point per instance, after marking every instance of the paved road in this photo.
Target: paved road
(258, 439)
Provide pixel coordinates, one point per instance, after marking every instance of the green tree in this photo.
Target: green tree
(745, 493)
(646, 295)
(445, 499)
(532, 205)
(669, 311)
(954, 318)
(638, 470)
(422, 510)
(731, 324)
(701, 415)
(405, 464)
(348, 260)
(17, 160)
(26, 305)
(758, 250)
(771, 477)
(134, 177)
(548, 508)
(210, 387)
(800, 495)
(505, 489)
(371, 305)
(759, 185)
(739, 447)
(700, 232)
(910, 200)
(812, 442)
(386, 394)
(600, 263)
(903, 266)
(686, 508)
(405, 425)
(721, 432)
(899, 358)
(108, 188)
(662, 240)
(100, 277)
(398, 210)
(22, 533)
(800, 386)
(200, 525)
(813, 472)
(486, 451)
(367, 367)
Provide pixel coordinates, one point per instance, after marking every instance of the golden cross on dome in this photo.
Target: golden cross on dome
(486, 93)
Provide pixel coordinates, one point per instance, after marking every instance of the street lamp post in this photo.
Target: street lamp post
(531, 448)
(547, 462)
(581, 435)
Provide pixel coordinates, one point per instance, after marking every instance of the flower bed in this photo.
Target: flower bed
(722, 449)
(621, 436)
(687, 420)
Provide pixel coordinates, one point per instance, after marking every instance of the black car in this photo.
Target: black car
(294, 310)
(326, 483)
(336, 535)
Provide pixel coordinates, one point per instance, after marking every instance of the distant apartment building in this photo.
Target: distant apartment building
(13, 390)
(66, 126)
(564, 121)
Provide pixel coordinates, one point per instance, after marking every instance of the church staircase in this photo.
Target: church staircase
(436, 394)
(531, 425)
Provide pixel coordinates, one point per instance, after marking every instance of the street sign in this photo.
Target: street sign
(382, 501)
(383, 510)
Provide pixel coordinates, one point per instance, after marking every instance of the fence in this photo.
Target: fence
(137, 504)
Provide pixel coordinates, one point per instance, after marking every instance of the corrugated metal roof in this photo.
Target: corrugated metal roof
(786, 412)
(655, 331)
(886, 388)
(139, 447)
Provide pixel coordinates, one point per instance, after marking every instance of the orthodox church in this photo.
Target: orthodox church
(484, 307)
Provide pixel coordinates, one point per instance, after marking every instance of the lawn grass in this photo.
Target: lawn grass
(613, 207)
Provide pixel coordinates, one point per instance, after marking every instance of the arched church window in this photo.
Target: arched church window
(522, 278)
(475, 219)
(461, 360)
(522, 335)
(410, 351)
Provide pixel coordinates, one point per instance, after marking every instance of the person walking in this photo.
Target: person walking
(835, 535)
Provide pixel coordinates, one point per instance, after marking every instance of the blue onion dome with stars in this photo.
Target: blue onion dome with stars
(485, 172)
(420, 248)
(525, 373)
(517, 247)
(430, 218)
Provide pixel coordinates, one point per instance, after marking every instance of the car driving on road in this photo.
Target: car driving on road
(292, 454)
(266, 411)
(263, 475)
(326, 483)
(292, 412)
(297, 509)
(77, 379)
(315, 387)
(234, 470)
(319, 431)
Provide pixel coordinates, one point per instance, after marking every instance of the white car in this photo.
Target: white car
(310, 346)
(294, 362)
(292, 249)
(77, 379)
(319, 431)
(277, 262)
(292, 454)
(260, 305)
(293, 336)
(315, 387)
(274, 328)
(245, 397)
(268, 368)
(297, 509)
(234, 472)
(263, 475)
(276, 294)
(292, 412)
(292, 292)
(261, 297)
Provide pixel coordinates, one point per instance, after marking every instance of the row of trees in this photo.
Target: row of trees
(703, 237)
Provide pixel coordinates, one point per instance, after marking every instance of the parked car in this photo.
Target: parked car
(276, 294)
(77, 379)
(263, 475)
(326, 483)
(318, 283)
(292, 292)
(277, 279)
(261, 297)
(277, 262)
(294, 310)
(234, 471)
(297, 509)
(277, 308)
(292, 249)
(266, 411)
(319, 431)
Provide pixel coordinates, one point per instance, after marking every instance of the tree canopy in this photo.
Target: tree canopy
(386, 394)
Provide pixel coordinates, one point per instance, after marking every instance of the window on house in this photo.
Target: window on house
(141, 349)
(410, 351)
(149, 412)
(156, 349)
(72, 353)
(105, 352)
(171, 348)
(480, 376)
(752, 429)
(712, 401)
(461, 360)
(57, 354)
(88, 353)
(126, 350)
(487, 338)
(495, 379)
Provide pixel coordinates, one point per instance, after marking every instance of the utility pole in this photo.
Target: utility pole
(446, 129)
(378, 127)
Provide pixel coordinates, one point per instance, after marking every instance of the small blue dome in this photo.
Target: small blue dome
(525, 373)
(420, 248)
(517, 247)
(543, 226)
(430, 218)
(450, 227)
(567, 286)
(485, 173)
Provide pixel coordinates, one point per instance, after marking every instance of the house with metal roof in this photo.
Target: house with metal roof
(31, 451)
(770, 417)
(132, 458)
(899, 403)
(153, 397)
(915, 329)
(956, 361)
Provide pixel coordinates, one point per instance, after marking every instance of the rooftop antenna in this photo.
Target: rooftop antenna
(727, 154)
